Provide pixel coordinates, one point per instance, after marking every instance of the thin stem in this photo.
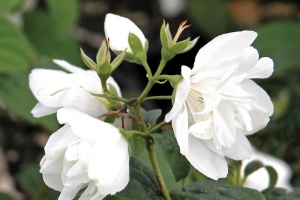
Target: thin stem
(158, 98)
(155, 166)
(151, 81)
(148, 70)
(158, 126)
(111, 97)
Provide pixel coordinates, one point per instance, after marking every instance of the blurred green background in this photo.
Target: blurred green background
(33, 32)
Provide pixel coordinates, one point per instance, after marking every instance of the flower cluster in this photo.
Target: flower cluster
(216, 104)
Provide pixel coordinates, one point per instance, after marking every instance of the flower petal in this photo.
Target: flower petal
(206, 161)
(53, 180)
(81, 100)
(40, 110)
(68, 193)
(263, 69)
(87, 127)
(67, 66)
(182, 92)
(117, 30)
(240, 150)
(221, 48)
(109, 166)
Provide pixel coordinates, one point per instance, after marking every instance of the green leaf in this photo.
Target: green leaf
(31, 181)
(142, 184)
(15, 93)
(40, 30)
(4, 196)
(137, 145)
(151, 116)
(252, 167)
(167, 142)
(63, 15)
(10, 5)
(212, 17)
(16, 53)
(280, 40)
(282, 194)
(216, 190)
(272, 175)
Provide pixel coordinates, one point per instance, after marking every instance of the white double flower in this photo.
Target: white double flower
(216, 103)
(85, 153)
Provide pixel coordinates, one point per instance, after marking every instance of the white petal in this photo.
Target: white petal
(72, 152)
(182, 92)
(259, 118)
(221, 48)
(206, 161)
(240, 150)
(112, 81)
(53, 180)
(59, 140)
(68, 193)
(67, 66)
(87, 127)
(53, 165)
(117, 29)
(201, 129)
(211, 101)
(109, 166)
(40, 110)
(77, 175)
(83, 101)
(263, 69)
(180, 127)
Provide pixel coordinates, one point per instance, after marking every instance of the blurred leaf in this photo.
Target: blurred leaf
(15, 52)
(151, 116)
(137, 145)
(142, 184)
(282, 194)
(4, 196)
(63, 15)
(9, 5)
(169, 146)
(40, 30)
(212, 17)
(31, 181)
(280, 41)
(216, 190)
(272, 175)
(15, 93)
(252, 167)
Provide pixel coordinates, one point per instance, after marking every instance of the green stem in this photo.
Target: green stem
(111, 97)
(148, 70)
(155, 166)
(157, 127)
(158, 98)
(238, 175)
(151, 81)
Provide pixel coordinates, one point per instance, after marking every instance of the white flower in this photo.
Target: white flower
(85, 153)
(55, 89)
(216, 103)
(117, 30)
(259, 179)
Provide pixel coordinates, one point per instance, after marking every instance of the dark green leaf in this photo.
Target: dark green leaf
(40, 30)
(142, 184)
(63, 15)
(272, 175)
(4, 196)
(216, 190)
(16, 53)
(31, 181)
(212, 17)
(252, 167)
(15, 93)
(282, 194)
(167, 142)
(151, 116)
(280, 40)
